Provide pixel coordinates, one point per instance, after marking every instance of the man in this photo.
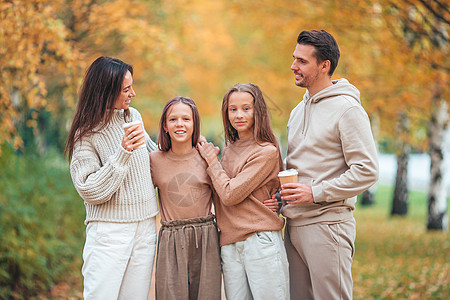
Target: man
(330, 144)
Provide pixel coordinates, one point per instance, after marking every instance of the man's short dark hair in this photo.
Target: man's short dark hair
(325, 45)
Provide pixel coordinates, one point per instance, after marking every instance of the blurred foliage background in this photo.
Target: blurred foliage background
(394, 51)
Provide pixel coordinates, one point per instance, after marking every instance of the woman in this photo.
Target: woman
(112, 175)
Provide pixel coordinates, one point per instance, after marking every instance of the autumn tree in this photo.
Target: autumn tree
(397, 82)
(132, 30)
(45, 47)
(423, 26)
(33, 45)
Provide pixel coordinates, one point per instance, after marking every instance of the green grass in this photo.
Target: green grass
(396, 257)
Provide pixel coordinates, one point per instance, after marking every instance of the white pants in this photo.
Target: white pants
(118, 259)
(256, 268)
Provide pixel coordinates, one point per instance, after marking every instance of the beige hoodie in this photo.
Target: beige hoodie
(331, 145)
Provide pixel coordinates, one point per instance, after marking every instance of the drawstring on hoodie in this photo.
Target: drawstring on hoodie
(307, 113)
(340, 87)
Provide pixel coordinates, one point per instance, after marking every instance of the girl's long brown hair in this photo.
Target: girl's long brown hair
(101, 86)
(262, 130)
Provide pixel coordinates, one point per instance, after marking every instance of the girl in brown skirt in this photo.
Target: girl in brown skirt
(188, 259)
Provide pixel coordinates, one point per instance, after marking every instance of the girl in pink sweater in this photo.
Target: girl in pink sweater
(188, 261)
(254, 261)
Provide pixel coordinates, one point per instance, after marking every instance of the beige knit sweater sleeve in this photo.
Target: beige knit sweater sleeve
(254, 173)
(94, 182)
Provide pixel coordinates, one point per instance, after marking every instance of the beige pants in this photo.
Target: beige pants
(320, 259)
(188, 260)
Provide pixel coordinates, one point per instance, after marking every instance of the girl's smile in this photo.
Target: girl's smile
(179, 124)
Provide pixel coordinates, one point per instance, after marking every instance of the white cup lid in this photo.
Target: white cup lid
(126, 125)
(289, 172)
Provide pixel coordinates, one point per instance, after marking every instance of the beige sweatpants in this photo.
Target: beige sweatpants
(188, 260)
(320, 259)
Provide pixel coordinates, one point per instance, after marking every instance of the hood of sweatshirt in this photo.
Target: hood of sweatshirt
(340, 87)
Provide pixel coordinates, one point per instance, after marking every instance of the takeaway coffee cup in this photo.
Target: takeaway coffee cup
(127, 125)
(288, 176)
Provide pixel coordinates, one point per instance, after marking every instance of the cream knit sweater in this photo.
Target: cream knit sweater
(115, 184)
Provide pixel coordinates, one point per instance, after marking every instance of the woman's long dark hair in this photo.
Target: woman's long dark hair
(164, 141)
(262, 130)
(101, 86)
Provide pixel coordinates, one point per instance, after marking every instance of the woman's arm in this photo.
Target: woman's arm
(97, 183)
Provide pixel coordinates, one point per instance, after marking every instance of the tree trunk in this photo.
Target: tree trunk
(438, 135)
(400, 201)
(367, 198)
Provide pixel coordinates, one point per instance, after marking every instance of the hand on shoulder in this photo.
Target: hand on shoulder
(208, 151)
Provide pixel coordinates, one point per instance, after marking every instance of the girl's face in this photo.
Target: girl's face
(127, 92)
(240, 113)
(179, 123)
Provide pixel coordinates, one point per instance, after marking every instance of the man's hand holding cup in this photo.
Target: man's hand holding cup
(293, 192)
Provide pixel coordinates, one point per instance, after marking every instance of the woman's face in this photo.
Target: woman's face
(127, 92)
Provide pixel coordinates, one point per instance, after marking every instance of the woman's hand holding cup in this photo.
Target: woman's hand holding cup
(134, 137)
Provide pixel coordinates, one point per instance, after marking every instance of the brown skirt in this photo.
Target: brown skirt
(188, 260)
